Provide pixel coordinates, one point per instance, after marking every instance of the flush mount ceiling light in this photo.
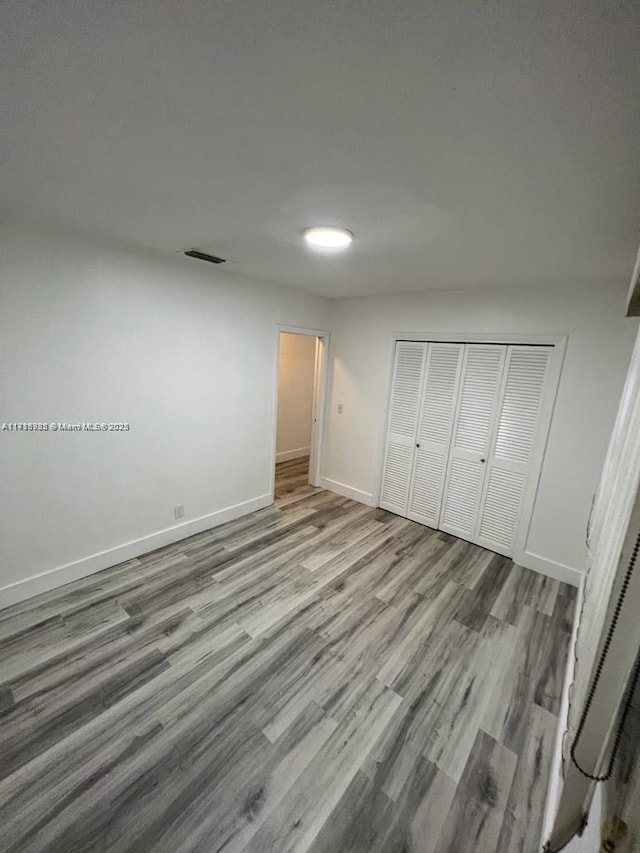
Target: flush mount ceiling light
(328, 237)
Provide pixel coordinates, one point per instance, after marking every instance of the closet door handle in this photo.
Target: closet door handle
(483, 460)
(417, 445)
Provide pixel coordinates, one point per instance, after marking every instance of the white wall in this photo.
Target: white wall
(598, 352)
(186, 353)
(591, 839)
(295, 395)
(183, 351)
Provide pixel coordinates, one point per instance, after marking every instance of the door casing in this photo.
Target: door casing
(319, 400)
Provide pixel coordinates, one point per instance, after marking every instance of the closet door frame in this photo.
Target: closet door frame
(559, 344)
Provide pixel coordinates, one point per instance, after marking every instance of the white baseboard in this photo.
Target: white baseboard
(348, 491)
(298, 453)
(557, 571)
(46, 581)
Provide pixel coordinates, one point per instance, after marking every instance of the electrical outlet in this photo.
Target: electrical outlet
(340, 408)
(178, 510)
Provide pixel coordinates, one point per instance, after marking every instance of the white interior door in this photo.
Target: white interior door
(509, 460)
(441, 378)
(406, 392)
(472, 434)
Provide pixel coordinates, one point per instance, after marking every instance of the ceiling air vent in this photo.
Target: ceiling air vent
(202, 256)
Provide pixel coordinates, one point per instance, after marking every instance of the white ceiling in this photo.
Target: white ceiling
(465, 142)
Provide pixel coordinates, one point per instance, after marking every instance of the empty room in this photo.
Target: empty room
(320, 428)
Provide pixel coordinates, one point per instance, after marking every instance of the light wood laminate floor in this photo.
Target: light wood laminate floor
(318, 676)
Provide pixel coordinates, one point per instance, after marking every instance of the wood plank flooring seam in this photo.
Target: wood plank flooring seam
(318, 677)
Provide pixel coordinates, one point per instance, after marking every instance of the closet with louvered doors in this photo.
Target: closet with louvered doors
(463, 423)
(509, 463)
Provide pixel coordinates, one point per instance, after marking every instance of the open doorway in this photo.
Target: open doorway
(301, 362)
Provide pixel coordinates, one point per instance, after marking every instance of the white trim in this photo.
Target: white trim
(316, 419)
(319, 401)
(302, 330)
(297, 453)
(484, 338)
(53, 578)
(348, 491)
(550, 568)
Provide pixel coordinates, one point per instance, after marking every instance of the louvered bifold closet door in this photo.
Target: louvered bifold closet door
(437, 411)
(406, 391)
(513, 447)
(473, 428)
